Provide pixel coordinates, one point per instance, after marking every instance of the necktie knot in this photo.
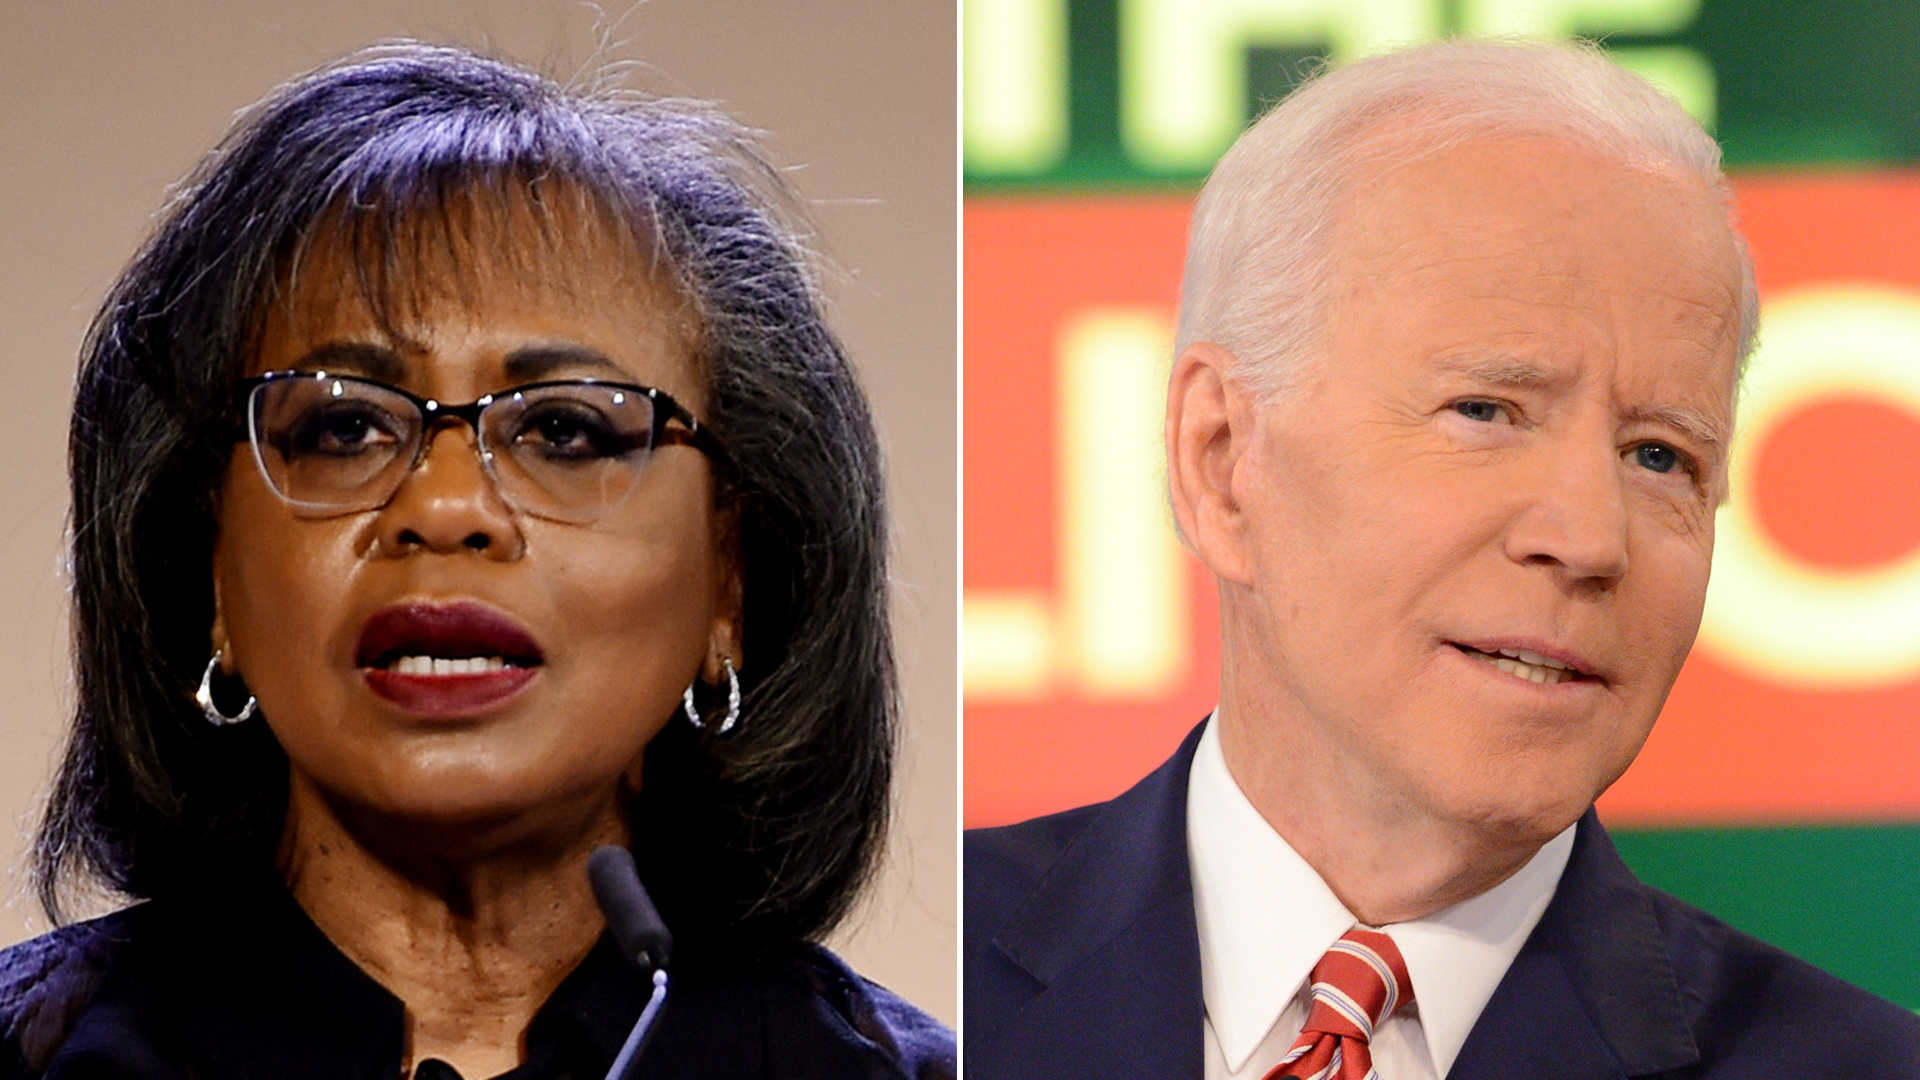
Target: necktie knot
(1359, 983)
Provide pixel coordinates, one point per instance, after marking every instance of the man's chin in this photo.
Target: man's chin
(1528, 794)
(1523, 813)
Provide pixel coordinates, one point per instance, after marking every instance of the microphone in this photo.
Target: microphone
(642, 937)
(628, 909)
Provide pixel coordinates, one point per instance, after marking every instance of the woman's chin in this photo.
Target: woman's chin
(464, 814)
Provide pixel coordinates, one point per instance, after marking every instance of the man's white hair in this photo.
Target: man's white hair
(1257, 263)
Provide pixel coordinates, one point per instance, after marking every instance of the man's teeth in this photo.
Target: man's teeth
(1530, 666)
(441, 665)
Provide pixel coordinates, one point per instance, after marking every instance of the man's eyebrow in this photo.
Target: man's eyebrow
(534, 362)
(1704, 428)
(1501, 371)
(354, 358)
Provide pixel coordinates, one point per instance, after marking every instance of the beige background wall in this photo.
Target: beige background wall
(104, 103)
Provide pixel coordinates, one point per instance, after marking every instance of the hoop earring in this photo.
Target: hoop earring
(733, 701)
(203, 697)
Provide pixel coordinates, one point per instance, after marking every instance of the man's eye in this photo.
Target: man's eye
(1485, 412)
(1659, 457)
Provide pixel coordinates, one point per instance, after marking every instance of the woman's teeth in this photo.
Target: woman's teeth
(441, 665)
(1530, 666)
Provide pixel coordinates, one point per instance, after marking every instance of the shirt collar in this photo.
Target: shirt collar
(1253, 963)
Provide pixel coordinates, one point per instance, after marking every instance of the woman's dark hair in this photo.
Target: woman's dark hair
(762, 837)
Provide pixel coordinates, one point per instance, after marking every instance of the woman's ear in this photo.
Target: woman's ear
(217, 636)
(726, 638)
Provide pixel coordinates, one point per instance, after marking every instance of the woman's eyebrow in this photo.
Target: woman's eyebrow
(534, 362)
(356, 358)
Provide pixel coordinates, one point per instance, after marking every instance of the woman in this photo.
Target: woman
(464, 478)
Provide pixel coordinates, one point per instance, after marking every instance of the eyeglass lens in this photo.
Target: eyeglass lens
(567, 451)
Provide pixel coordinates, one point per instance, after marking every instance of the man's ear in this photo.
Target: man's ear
(1210, 424)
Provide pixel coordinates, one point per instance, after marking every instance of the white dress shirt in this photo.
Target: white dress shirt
(1266, 917)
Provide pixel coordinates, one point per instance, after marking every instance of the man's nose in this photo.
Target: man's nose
(1574, 517)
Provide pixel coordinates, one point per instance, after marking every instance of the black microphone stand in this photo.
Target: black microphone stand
(642, 937)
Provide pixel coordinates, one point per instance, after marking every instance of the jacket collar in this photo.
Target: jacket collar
(237, 980)
(1109, 933)
(1597, 973)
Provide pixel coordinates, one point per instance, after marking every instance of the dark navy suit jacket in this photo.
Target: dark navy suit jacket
(234, 982)
(1083, 960)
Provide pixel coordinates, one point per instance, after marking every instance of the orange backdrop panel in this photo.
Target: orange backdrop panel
(1838, 484)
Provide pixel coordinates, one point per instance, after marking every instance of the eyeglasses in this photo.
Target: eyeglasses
(568, 451)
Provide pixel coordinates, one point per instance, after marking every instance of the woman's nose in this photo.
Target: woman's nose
(448, 503)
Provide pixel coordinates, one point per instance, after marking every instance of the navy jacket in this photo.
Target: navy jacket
(1083, 960)
(238, 984)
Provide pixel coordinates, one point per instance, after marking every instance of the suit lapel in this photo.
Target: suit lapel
(1109, 935)
(1109, 938)
(1592, 995)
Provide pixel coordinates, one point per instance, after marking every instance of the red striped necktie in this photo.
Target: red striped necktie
(1356, 985)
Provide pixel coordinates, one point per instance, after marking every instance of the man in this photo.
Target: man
(1459, 340)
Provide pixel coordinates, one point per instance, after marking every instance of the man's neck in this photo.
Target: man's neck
(1388, 860)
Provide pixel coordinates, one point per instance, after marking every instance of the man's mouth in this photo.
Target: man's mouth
(1528, 665)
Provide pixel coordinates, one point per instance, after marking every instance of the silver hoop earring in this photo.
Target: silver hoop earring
(733, 701)
(204, 698)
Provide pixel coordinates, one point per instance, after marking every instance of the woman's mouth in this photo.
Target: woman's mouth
(446, 660)
(448, 665)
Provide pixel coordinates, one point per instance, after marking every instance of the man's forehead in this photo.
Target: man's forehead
(1538, 265)
(1539, 219)
(1436, 186)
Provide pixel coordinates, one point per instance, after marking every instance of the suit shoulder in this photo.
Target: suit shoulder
(1005, 862)
(46, 982)
(1003, 868)
(1752, 1002)
(1134, 842)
